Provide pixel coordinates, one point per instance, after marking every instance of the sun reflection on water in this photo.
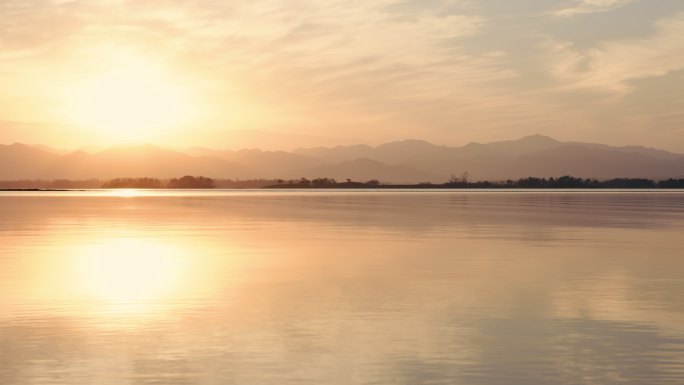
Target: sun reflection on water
(131, 275)
(126, 192)
(116, 276)
(130, 269)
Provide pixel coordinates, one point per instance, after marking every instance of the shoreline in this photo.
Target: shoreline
(361, 189)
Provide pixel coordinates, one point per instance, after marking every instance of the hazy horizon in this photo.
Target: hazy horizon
(409, 161)
(271, 144)
(200, 72)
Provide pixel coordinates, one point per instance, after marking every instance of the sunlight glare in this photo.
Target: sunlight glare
(131, 270)
(126, 192)
(135, 100)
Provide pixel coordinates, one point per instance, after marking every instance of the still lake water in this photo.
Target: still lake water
(283, 288)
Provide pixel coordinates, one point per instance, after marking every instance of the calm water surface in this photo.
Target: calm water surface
(341, 288)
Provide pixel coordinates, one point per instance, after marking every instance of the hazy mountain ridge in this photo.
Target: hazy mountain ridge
(364, 169)
(398, 162)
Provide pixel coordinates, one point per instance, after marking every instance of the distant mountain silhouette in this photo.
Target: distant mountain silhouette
(20, 161)
(338, 153)
(263, 164)
(527, 145)
(24, 162)
(408, 161)
(589, 161)
(535, 155)
(364, 169)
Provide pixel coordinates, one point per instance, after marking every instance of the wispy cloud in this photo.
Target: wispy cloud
(455, 69)
(611, 65)
(590, 6)
(349, 60)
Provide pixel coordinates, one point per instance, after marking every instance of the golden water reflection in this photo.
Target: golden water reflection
(126, 274)
(340, 289)
(130, 271)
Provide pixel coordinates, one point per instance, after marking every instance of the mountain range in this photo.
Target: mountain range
(407, 161)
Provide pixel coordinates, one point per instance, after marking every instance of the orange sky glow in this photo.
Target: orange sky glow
(199, 72)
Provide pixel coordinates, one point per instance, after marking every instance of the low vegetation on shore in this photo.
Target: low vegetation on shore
(564, 182)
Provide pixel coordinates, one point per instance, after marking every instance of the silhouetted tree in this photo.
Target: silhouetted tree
(671, 183)
(563, 182)
(567, 181)
(191, 182)
(323, 182)
(630, 183)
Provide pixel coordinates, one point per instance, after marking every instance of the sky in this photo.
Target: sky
(195, 72)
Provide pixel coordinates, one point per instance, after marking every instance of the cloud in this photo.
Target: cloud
(611, 65)
(382, 69)
(590, 6)
(303, 62)
(349, 61)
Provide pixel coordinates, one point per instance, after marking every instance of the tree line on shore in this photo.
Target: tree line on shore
(190, 182)
(187, 181)
(184, 182)
(569, 182)
(147, 183)
(564, 182)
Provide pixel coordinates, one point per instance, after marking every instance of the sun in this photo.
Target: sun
(134, 100)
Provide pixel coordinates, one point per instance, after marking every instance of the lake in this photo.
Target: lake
(334, 287)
